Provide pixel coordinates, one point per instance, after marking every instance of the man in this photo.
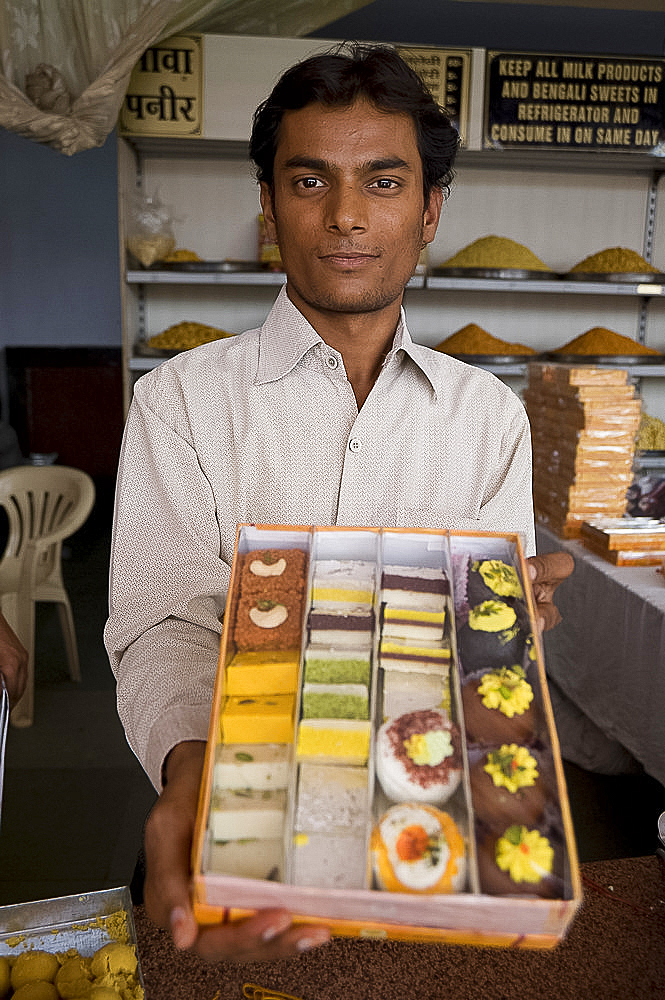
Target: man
(329, 414)
(13, 662)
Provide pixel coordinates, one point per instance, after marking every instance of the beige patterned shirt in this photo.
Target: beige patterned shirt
(264, 428)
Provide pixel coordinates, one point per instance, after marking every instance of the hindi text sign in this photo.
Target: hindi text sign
(164, 96)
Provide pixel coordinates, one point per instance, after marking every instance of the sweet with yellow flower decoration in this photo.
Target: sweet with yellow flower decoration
(507, 786)
(498, 707)
(519, 860)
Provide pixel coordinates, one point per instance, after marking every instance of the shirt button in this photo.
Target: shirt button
(332, 362)
(355, 445)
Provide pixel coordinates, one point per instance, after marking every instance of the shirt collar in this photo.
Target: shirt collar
(286, 336)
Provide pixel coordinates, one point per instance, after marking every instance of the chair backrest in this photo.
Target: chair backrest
(44, 504)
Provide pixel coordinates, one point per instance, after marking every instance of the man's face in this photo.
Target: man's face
(347, 207)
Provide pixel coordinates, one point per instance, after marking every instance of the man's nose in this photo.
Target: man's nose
(346, 209)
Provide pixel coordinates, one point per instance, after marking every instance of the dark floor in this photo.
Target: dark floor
(75, 797)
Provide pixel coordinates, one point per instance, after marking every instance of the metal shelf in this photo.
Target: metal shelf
(535, 287)
(223, 278)
(550, 286)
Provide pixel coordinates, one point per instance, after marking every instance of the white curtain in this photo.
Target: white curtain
(65, 64)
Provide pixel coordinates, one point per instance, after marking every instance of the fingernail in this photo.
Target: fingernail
(313, 941)
(277, 928)
(179, 921)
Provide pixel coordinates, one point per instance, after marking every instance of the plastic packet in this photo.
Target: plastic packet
(150, 229)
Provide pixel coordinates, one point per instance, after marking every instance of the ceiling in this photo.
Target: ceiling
(629, 5)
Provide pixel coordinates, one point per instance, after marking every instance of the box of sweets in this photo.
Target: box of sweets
(382, 756)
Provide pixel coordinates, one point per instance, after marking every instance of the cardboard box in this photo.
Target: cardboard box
(469, 916)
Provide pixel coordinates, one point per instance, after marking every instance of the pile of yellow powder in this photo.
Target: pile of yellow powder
(614, 260)
(497, 252)
(472, 339)
(601, 341)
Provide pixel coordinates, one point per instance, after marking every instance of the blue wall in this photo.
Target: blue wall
(59, 268)
(59, 271)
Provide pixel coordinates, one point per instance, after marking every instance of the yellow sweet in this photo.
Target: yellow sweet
(5, 975)
(256, 673)
(33, 965)
(506, 690)
(266, 719)
(526, 855)
(511, 767)
(73, 978)
(114, 958)
(500, 577)
(492, 616)
(39, 989)
(338, 741)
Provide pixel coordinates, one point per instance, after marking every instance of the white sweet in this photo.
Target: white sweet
(241, 815)
(408, 691)
(425, 750)
(260, 766)
(332, 797)
(326, 861)
(247, 858)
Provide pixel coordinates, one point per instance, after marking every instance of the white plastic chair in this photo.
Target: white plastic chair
(44, 505)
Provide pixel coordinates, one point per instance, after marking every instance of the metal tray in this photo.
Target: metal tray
(64, 922)
(621, 277)
(506, 273)
(207, 266)
(495, 359)
(620, 360)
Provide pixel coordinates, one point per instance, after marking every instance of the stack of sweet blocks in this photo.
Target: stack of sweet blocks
(584, 421)
(253, 758)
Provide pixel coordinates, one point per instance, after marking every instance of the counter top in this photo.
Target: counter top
(614, 949)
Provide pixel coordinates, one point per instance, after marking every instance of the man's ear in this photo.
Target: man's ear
(432, 214)
(268, 209)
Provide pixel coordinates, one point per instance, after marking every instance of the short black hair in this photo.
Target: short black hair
(340, 77)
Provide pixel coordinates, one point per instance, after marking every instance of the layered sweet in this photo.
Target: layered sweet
(248, 809)
(414, 652)
(253, 760)
(349, 628)
(335, 701)
(334, 741)
(341, 583)
(262, 767)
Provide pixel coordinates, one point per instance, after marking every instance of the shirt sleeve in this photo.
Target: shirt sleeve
(168, 583)
(509, 505)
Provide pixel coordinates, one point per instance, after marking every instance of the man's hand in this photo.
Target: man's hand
(267, 935)
(547, 571)
(13, 662)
